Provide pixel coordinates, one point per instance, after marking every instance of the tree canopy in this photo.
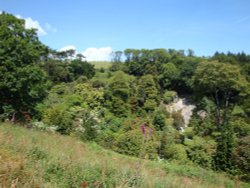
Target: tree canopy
(22, 82)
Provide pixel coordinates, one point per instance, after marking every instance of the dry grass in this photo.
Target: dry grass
(30, 158)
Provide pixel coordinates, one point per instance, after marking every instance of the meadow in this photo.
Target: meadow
(30, 158)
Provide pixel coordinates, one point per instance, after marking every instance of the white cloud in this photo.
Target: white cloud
(98, 54)
(69, 47)
(48, 27)
(30, 23)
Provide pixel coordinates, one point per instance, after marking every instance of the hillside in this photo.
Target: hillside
(30, 158)
(101, 64)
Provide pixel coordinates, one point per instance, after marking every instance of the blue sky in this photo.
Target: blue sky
(95, 27)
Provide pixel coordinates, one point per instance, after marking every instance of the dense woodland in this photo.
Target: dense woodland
(123, 107)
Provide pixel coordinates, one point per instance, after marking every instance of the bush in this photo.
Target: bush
(241, 157)
(135, 143)
(58, 116)
(169, 96)
(201, 150)
(159, 121)
(175, 152)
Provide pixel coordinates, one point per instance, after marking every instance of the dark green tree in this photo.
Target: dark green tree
(169, 75)
(224, 151)
(118, 92)
(81, 68)
(147, 92)
(22, 83)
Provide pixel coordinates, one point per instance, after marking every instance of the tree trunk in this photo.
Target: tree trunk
(218, 115)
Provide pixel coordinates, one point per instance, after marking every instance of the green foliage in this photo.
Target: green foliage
(94, 98)
(147, 92)
(169, 96)
(85, 123)
(204, 126)
(175, 152)
(241, 126)
(169, 75)
(238, 111)
(159, 121)
(57, 71)
(187, 70)
(81, 68)
(212, 76)
(168, 137)
(241, 157)
(117, 93)
(225, 146)
(58, 116)
(135, 143)
(207, 104)
(22, 83)
(201, 150)
(111, 106)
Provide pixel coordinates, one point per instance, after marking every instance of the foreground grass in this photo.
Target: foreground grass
(30, 158)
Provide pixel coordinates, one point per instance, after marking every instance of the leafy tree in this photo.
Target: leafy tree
(159, 121)
(118, 92)
(223, 82)
(147, 92)
(81, 68)
(187, 69)
(22, 83)
(117, 56)
(57, 71)
(169, 75)
(89, 95)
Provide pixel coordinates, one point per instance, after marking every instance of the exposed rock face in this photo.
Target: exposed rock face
(183, 105)
(202, 114)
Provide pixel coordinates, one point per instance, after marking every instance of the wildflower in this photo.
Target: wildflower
(143, 129)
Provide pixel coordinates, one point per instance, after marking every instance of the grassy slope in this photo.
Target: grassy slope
(30, 158)
(101, 64)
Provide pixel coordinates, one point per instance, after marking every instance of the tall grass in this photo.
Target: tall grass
(29, 158)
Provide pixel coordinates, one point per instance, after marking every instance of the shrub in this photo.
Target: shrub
(200, 150)
(60, 117)
(169, 96)
(175, 152)
(135, 143)
(159, 121)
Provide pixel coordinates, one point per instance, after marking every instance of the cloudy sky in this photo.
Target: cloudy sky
(98, 27)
